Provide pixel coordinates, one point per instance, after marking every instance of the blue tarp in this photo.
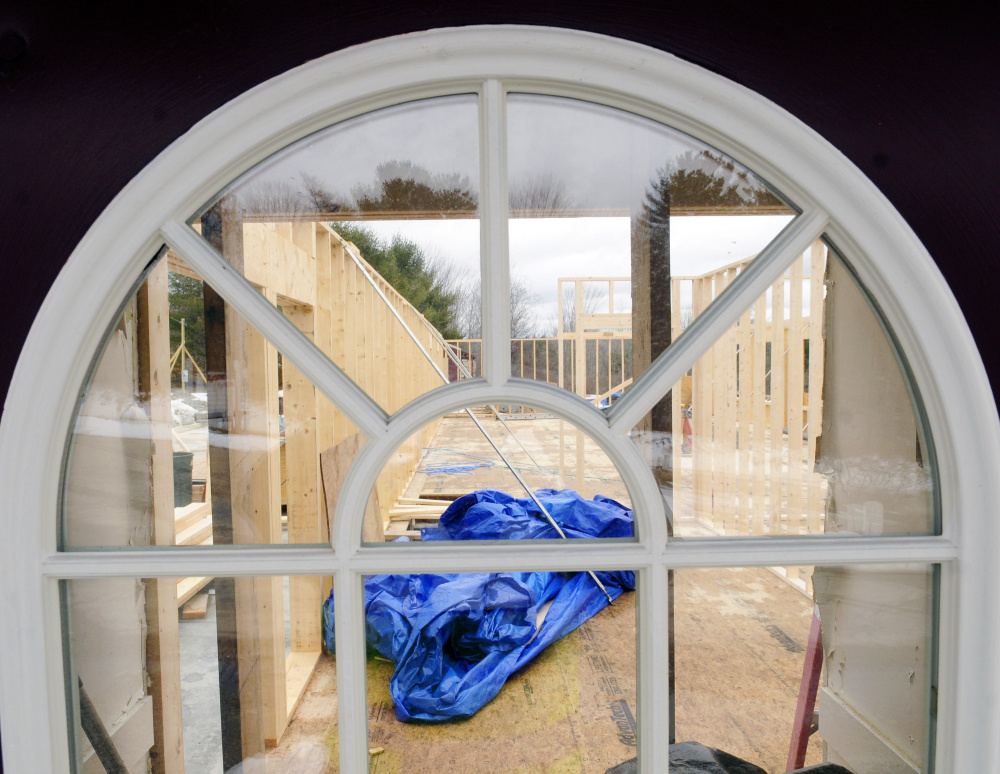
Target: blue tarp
(455, 638)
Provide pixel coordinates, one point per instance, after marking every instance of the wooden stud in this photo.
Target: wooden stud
(759, 488)
(796, 365)
(777, 402)
(744, 418)
(817, 272)
(162, 640)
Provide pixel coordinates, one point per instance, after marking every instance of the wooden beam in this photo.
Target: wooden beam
(240, 689)
(304, 488)
(162, 640)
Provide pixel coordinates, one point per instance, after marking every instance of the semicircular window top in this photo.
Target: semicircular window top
(369, 372)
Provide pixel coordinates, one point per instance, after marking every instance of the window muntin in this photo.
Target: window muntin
(877, 252)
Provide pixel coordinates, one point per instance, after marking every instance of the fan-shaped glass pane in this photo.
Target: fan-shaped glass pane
(800, 420)
(609, 211)
(374, 223)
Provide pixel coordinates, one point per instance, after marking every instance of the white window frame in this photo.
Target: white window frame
(837, 200)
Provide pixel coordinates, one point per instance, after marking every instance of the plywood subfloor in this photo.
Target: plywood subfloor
(459, 444)
(738, 641)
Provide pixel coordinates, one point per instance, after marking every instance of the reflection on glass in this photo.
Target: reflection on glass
(487, 472)
(824, 438)
(201, 674)
(608, 212)
(758, 650)
(540, 671)
(193, 430)
(372, 225)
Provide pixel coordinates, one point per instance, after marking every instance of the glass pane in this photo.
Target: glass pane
(202, 674)
(752, 665)
(538, 669)
(608, 212)
(194, 430)
(374, 223)
(473, 474)
(827, 438)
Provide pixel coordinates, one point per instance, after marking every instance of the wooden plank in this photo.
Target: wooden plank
(777, 402)
(274, 261)
(677, 421)
(299, 669)
(817, 351)
(759, 489)
(796, 366)
(190, 514)
(187, 588)
(702, 395)
(727, 375)
(264, 480)
(196, 607)
(197, 533)
(177, 265)
(719, 369)
(335, 463)
(744, 418)
(304, 488)
(162, 639)
(236, 604)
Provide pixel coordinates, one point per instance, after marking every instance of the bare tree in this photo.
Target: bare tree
(538, 196)
(321, 198)
(273, 197)
(593, 295)
(469, 305)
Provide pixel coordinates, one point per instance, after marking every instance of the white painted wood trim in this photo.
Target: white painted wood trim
(897, 270)
(514, 556)
(493, 203)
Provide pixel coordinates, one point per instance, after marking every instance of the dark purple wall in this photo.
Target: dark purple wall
(100, 89)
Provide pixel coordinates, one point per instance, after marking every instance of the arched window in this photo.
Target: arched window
(516, 261)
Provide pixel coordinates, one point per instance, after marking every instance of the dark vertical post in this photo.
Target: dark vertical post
(651, 335)
(222, 514)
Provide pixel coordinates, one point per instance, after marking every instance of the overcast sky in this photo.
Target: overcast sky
(544, 249)
(592, 157)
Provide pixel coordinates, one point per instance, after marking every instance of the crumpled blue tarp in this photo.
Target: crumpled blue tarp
(456, 638)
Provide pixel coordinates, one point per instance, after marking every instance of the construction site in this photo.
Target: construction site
(772, 665)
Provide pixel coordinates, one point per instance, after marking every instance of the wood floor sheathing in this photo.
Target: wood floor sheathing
(739, 635)
(459, 442)
(739, 648)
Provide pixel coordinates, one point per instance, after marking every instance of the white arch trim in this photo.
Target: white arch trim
(649, 511)
(488, 61)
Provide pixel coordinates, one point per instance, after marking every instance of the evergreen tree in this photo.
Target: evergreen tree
(403, 264)
(187, 302)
